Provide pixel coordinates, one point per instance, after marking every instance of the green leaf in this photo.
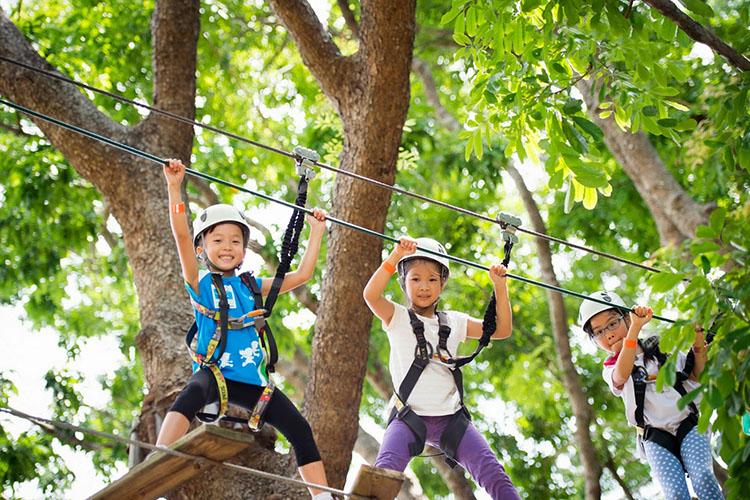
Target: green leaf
(664, 281)
(448, 16)
(701, 247)
(650, 111)
(569, 200)
(677, 105)
(621, 117)
(699, 7)
(590, 175)
(686, 124)
(743, 158)
(589, 198)
(478, 148)
(461, 39)
(575, 139)
(572, 106)
(667, 122)
(705, 264)
(471, 21)
(589, 127)
(717, 218)
(467, 149)
(665, 91)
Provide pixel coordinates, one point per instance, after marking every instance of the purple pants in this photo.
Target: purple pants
(474, 454)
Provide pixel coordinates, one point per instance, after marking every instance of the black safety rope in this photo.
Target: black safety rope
(289, 245)
(148, 156)
(182, 119)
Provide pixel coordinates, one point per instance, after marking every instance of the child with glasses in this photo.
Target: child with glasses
(668, 437)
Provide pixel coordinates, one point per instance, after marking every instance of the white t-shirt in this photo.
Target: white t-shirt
(659, 408)
(435, 393)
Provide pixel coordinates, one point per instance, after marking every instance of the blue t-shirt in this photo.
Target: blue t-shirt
(243, 359)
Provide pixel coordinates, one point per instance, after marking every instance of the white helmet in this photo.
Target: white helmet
(427, 244)
(589, 308)
(216, 214)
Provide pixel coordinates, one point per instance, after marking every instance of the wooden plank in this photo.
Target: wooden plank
(161, 472)
(374, 482)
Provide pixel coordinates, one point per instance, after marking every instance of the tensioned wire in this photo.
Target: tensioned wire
(325, 166)
(169, 451)
(148, 156)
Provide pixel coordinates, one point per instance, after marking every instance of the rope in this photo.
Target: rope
(176, 453)
(331, 168)
(349, 225)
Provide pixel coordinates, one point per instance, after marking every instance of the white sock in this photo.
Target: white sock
(323, 496)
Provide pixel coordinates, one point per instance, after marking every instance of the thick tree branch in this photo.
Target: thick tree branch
(319, 52)
(612, 468)
(63, 102)
(592, 468)
(348, 14)
(446, 119)
(672, 207)
(700, 33)
(175, 27)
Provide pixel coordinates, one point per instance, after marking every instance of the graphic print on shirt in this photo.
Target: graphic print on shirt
(230, 296)
(226, 361)
(249, 354)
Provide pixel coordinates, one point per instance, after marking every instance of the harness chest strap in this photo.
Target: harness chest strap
(423, 352)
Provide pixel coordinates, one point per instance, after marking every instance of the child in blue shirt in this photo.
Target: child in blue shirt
(220, 237)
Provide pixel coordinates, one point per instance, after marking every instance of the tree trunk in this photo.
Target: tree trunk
(135, 191)
(592, 468)
(676, 214)
(370, 91)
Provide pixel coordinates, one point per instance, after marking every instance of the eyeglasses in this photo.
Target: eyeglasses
(609, 327)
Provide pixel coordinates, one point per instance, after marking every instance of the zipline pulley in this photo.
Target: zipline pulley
(508, 225)
(306, 160)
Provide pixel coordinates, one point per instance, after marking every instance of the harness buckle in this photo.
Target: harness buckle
(423, 354)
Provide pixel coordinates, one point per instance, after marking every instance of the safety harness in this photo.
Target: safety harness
(663, 438)
(424, 352)
(305, 159)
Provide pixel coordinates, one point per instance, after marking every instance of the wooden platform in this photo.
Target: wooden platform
(161, 472)
(374, 482)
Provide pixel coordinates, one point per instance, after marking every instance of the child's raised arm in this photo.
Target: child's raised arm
(174, 172)
(373, 292)
(502, 308)
(624, 365)
(699, 351)
(304, 272)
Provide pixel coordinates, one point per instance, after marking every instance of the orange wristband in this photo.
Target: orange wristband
(178, 208)
(388, 267)
(631, 344)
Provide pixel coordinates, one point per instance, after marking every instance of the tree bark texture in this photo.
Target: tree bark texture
(676, 213)
(135, 191)
(592, 467)
(370, 91)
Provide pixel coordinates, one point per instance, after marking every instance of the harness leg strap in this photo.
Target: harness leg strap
(415, 424)
(452, 435)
